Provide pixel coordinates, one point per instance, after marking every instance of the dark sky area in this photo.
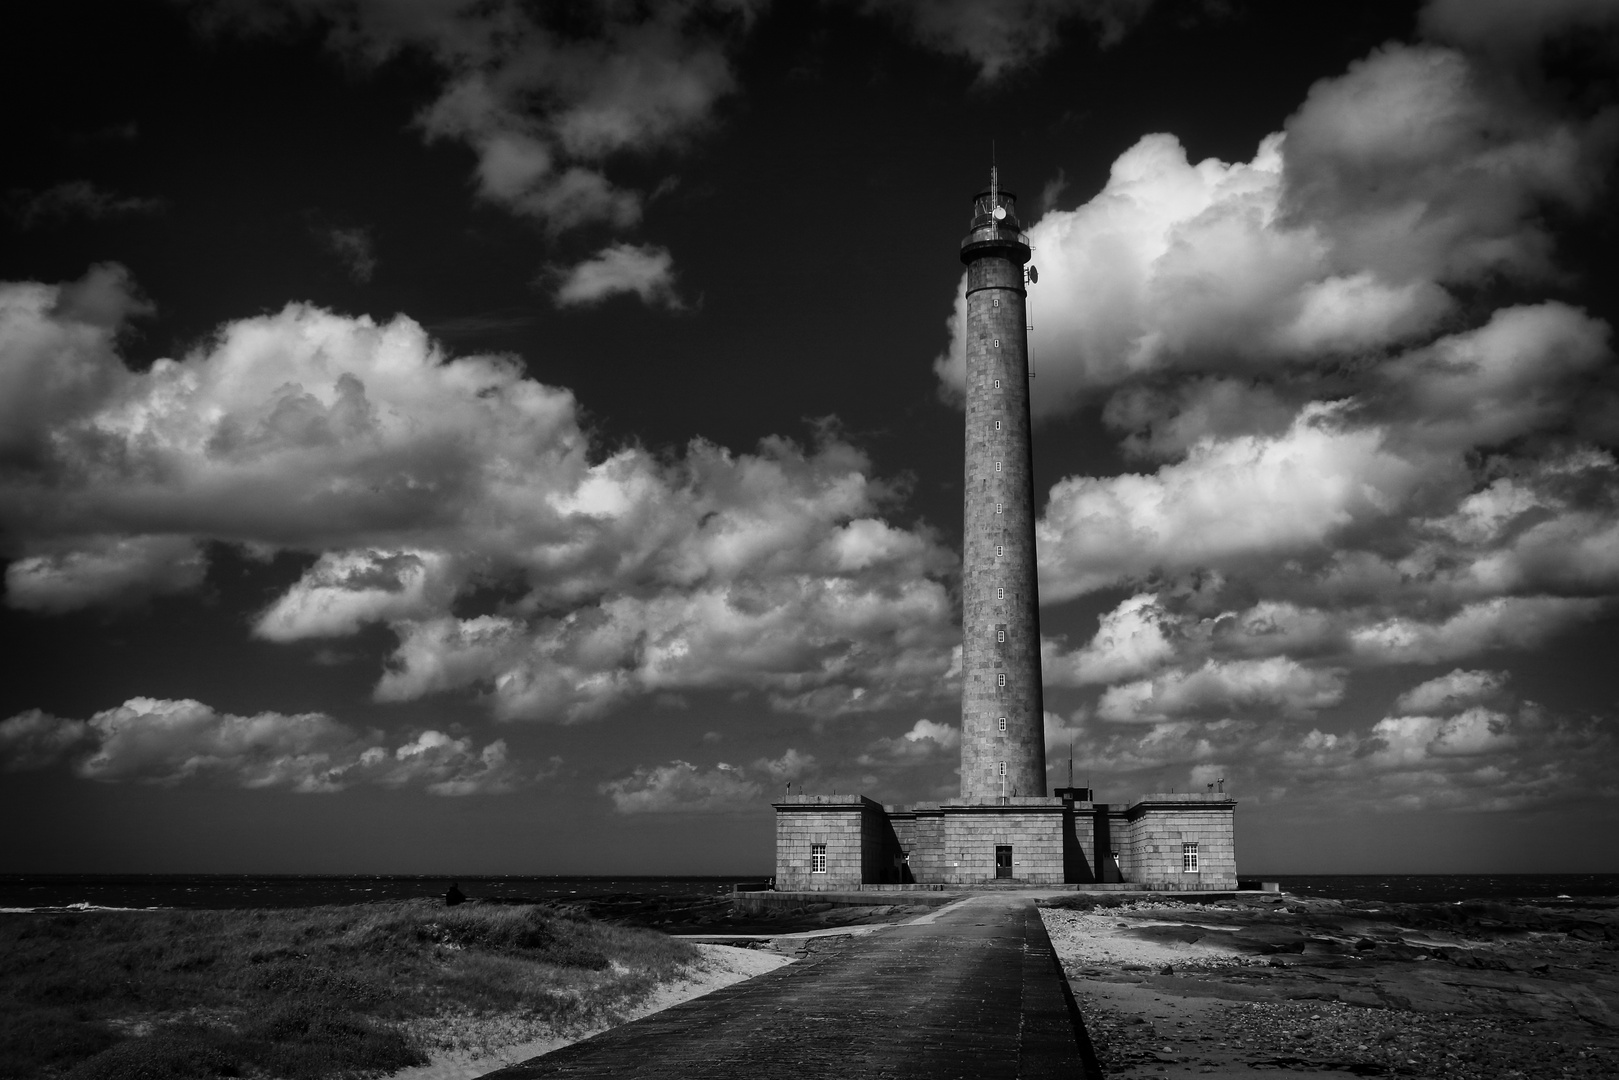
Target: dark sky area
(522, 437)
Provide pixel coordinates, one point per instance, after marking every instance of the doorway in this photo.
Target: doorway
(1003, 860)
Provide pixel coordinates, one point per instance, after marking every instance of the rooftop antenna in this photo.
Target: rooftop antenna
(995, 208)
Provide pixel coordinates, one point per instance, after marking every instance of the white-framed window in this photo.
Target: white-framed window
(1000, 594)
(1000, 680)
(1189, 858)
(817, 858)
(1000, 550)
(997, 301)
(1003, 768)
(997, 466)
(999, 507)
(997, 384)
(1000, 635)
(997, 343)
(1003, 725)
(997, 425)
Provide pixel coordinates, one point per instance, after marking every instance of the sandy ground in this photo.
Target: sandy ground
(721, 965)
(1318, 988)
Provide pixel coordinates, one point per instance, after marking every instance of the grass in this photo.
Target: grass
(306, 993)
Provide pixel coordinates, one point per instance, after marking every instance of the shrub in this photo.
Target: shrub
(178, 1054)
(317, 1039)
(299, 994)
(35, 1039)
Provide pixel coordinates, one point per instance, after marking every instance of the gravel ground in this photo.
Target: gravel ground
(1317, 988)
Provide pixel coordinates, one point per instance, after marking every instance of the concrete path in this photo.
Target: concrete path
(969, 991)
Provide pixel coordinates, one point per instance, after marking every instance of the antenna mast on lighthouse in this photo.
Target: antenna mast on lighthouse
(994, 180)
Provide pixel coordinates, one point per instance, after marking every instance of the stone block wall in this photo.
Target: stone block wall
(844, 823)
(1158, 825)
(927, 845)
(1053, 841)
(1033, 827)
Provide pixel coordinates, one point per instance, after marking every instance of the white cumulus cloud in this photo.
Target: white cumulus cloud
(1448, 693)
(1133, 639)
(1339, 454)
(1275, 683)
(543, 106)
(643, 270)
(411, 478)
(927, 742)
(1228, 502)
(170, 742)
(681, 787)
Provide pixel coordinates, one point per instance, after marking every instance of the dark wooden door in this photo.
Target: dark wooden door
(1003, 860)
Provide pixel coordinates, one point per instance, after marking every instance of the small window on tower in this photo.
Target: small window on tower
(1000, 594)
(997, 466)
(1000, 635)
(997, 425)
(997, 384)
(1000, 680)
(997, 301)
(997, 508)
(1000, 550)
(1003, 725)
(997, 343)
(1003, 768)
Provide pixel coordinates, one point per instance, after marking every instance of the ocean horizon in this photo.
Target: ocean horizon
(33, 892)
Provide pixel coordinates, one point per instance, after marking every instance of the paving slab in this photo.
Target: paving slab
(969, 991)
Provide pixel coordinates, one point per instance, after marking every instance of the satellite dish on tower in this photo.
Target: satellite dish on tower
(1000, 213)
(1034, 276)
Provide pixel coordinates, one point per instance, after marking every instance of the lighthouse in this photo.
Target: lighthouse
(1005, 828)
(1003, 752)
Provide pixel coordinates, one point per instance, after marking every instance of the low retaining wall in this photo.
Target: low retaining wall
(939, 895)
(761, 901)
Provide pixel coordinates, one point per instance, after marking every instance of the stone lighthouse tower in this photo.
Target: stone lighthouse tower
(1003, 751)
(1006, 826)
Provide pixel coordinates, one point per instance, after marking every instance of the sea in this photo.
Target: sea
(32, 892)
(55, 892)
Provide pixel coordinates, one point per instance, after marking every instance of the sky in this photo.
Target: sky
(524, 438)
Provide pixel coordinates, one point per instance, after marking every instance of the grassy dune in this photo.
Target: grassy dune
(307, 992)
